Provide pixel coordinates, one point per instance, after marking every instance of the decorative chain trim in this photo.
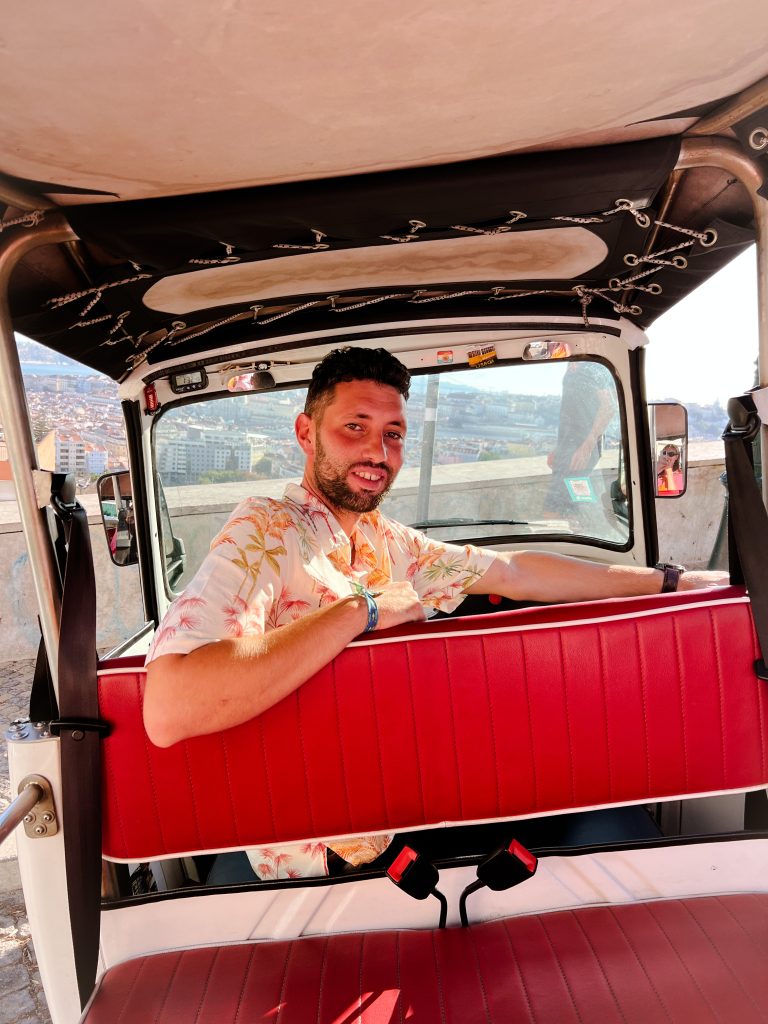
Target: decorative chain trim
(229, 258)
(367, 302)
(110, 338)
(417, 299)
(319, 243)
(27, 220)
(416, 226)
(286, 312)
(653, 261)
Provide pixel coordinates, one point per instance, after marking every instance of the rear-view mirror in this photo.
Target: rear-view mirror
(117, 514)
(669, 446)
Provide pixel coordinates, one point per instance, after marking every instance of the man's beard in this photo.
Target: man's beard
(331, 480)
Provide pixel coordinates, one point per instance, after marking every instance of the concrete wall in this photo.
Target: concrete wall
(119, 612)
(687, 528)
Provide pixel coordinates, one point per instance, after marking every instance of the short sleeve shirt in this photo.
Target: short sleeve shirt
(277, 560)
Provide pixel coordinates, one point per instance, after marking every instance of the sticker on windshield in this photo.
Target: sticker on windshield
(580, 488)
(445, 356)
(483, 356)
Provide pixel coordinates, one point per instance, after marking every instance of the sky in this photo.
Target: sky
(704, 349)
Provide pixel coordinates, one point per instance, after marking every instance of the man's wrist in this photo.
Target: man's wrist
(672, 574)
(367, 601)
(373, 611)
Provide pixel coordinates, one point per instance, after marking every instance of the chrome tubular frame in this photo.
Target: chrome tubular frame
(21, 448)
(727, 155)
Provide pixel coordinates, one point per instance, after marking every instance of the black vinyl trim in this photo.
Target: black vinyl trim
(645, 469)
(544, 851)
(132, 416)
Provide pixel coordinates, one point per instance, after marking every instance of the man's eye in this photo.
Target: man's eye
(395, 435)
(354, 426)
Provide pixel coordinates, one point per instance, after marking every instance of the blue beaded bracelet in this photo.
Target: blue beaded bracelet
(373, 611)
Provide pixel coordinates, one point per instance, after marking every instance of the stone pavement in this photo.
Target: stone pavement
(21, 994)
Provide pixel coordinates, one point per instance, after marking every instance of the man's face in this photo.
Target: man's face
(355, 446)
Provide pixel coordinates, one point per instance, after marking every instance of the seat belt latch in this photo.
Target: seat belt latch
(508, 866)
(418, 877)
(504, 868)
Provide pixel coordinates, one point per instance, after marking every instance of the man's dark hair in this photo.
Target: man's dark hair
(342, 365)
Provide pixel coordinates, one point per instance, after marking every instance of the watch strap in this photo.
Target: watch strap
(672, 574)
(373, 610)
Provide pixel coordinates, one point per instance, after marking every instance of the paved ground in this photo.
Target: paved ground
(21, 995)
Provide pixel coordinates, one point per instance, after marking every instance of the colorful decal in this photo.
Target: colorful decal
(580, 488)
(445, 356)
(483, 356)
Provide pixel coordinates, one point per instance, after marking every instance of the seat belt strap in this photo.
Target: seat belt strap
(747, 516)
(80, 731)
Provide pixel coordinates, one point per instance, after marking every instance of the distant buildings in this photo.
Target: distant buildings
(184, 455)
(73, 454)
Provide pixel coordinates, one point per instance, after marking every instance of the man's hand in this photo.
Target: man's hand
(398, 603)
(700, 578)
(580, 458)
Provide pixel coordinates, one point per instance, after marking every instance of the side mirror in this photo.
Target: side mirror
(116, 504)
(669, 444)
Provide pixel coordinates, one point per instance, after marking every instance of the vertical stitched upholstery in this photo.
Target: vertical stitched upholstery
(667, 962)
(524, 719)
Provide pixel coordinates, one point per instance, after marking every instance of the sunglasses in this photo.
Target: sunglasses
(670, 454)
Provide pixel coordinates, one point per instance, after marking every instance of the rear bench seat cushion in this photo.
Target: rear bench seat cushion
(703, 960)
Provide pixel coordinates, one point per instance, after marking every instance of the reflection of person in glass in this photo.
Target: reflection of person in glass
(669, 474)
(587, 406)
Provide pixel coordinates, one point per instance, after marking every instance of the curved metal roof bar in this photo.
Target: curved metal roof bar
(18, 431)
(717, 152)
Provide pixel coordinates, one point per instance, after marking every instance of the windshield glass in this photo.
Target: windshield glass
(492, 455)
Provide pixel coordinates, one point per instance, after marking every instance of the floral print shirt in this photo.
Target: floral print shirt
(276, 560)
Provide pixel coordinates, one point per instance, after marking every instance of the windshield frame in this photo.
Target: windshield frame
(500, 539)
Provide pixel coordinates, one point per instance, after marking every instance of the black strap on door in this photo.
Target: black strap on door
(747, 517)
(80, 732)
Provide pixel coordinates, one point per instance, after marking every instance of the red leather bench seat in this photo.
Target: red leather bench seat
(673, 961)
(515, 714)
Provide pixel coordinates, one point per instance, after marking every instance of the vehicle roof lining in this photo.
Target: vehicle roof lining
(132, 246)
(262, 93)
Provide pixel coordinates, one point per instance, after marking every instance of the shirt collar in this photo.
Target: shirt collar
(300, 495)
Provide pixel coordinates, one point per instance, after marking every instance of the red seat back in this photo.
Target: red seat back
(511, 715)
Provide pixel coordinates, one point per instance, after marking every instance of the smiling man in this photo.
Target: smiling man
(289, 583)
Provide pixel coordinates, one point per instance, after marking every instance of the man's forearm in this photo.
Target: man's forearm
(540, 576)
(225, 683)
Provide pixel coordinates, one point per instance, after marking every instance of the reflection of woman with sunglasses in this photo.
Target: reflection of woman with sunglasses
(669, 476)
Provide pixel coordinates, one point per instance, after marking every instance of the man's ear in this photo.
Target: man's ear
(305, 434)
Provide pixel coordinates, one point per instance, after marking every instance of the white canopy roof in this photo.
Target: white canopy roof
(164, 97)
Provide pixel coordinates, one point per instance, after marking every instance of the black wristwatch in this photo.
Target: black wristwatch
(672, 574)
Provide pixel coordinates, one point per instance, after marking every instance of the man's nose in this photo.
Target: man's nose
(375, 447)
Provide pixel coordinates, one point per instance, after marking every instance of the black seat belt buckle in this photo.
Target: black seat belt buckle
(504, 868)
(509, 866)
(761, 669)
(418, 877)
